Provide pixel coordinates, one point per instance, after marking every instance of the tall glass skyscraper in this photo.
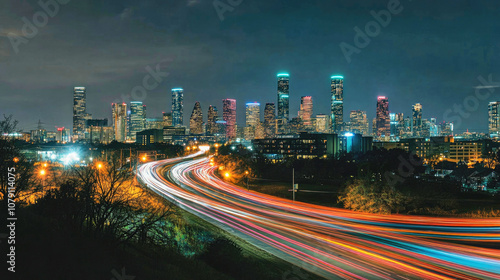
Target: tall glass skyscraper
(196, 120)
(433, 127)
(337, 114)
(269, 120)
(416, 127)
(79, 112)
(229, 116)
(137, 118)
(359, 122)
(252, 114)
(494, 117)
(177, 107)
(283, 115)
(306, 112)
(394, 124)
(382, 122)
(323, 123)
(212, 127)
(120, 121)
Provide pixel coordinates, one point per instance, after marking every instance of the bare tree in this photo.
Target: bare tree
(14, 164)
(106, 202)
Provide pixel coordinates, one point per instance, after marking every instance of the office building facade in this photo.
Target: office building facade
(358, 122)
(177, 107)
(337, 105)
(196, 120)
(137, 118)
(383, 120)
(283, 115)
(119, 112)
(229, 117)
(79, 112)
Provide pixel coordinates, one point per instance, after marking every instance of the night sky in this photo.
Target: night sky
(432, 52)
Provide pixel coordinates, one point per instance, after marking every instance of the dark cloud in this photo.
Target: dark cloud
(432, 53)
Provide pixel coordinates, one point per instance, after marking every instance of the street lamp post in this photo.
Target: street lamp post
(42, 174)
(246, 177)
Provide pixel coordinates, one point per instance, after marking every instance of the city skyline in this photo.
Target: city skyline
(402, 66)
(80, 114)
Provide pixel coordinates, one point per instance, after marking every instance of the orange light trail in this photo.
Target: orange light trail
(331, 242)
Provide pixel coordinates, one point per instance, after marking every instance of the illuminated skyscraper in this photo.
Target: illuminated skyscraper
(337, 90)
(196, 120)
(120, 121)
(269, 120)
(137, 118)
(283, 115)
(252, 114)
(323, 123)
(383, 121)
(259, 131)
(494, 117)
(212, 127)
(79, 112)
(426, 128)
(434, 128)
(417, 120)
(359, 122)
(306, 112)
(177, 107)
(229, 116)
(167, 119)
(397, 125)
(446, 129)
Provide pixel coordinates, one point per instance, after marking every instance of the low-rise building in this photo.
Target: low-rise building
(149, 136)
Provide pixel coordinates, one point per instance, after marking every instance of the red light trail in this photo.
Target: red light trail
(332, 242)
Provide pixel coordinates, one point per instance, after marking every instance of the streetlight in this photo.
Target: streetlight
(246, 177)
(227, 174)
(16, 159)
(99, 165)
(42, 174)
(216, 149)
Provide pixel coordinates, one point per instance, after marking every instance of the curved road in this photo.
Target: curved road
(330, 242)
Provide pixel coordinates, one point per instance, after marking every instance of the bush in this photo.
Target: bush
(372, 198)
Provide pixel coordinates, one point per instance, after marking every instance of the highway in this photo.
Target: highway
(330, 242)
